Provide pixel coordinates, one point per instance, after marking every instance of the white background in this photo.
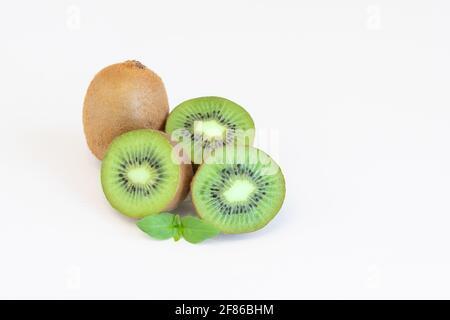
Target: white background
(357, 91)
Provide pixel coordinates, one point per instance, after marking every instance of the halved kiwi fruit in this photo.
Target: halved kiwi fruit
(122, 97)
(204, 124)
(238, 189)
(141, 175)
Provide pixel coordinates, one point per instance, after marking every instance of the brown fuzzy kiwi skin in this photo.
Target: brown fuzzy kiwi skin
(186, 174)
(122, 97)
(183, 187)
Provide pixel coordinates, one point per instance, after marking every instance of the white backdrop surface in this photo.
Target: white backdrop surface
(357, 93)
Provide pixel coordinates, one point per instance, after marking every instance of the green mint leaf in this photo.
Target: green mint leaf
(161, 226)
(177, 225)
(177, 235)
(196, 230)
(177, 221)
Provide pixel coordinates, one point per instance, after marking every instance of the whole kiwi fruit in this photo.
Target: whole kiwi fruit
(122, 97)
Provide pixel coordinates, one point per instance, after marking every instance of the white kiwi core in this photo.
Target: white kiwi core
(141, 175)
(210, 129)
(239, 190)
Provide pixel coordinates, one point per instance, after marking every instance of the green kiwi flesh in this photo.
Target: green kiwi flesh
(138, 175)
(238, 189)
(207, 123)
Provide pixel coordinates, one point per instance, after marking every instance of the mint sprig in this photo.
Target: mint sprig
(167, 225)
